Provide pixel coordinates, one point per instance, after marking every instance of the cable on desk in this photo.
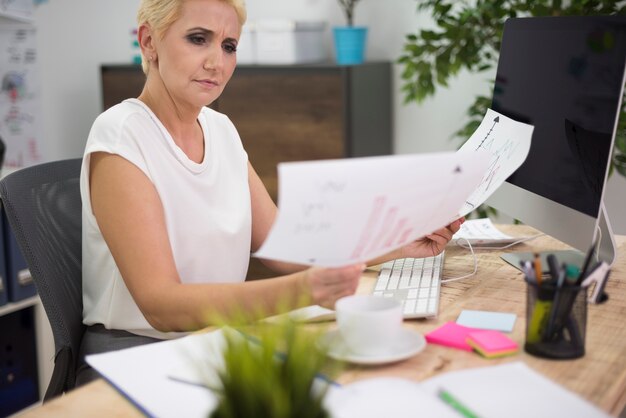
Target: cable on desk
(454, 279)
(471, 248)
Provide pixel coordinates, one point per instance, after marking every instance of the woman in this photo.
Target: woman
(171, 206)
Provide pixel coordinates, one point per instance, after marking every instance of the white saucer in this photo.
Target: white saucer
(407, 344)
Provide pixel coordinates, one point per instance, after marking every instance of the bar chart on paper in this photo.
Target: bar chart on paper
(338, 212)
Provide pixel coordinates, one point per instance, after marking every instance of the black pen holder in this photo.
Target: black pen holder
(556, 320)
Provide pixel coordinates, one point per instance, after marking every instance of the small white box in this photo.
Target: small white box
(246, 48)
(289, 42)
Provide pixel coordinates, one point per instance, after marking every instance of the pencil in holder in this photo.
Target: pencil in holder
(556, 320)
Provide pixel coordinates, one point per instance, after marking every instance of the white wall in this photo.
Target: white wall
(76, 36)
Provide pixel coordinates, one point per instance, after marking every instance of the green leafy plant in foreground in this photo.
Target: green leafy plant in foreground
(258, 382)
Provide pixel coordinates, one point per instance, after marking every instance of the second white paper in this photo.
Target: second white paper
(507, 142)
(338, 212)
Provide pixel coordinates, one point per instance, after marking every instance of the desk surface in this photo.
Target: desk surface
(599, 377)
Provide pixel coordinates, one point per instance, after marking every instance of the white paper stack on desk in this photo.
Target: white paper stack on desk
(483, 232)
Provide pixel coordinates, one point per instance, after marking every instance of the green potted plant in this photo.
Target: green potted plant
(270, 370)
(467, 37)
(350, 40)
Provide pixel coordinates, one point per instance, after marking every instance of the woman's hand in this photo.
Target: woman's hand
(432, 244)
(327, 285)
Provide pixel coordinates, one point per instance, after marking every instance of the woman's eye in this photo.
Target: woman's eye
(196, 39)
(230, 48)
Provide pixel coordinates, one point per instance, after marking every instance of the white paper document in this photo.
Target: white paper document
(171, 378)
(511, 390)
(385, 397)
(482, 232)
(507, 142)
(312, 313)
(338, 212)
(144, 374)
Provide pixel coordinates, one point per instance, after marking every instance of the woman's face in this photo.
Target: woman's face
(197, 54)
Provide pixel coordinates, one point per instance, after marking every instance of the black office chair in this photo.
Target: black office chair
(43, 206)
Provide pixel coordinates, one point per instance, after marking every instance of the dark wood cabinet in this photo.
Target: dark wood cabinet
(308, 113)
(293, 113)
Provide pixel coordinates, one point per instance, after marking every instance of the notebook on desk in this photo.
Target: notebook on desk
(509, 390)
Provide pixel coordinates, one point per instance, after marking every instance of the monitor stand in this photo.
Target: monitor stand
(606, 247)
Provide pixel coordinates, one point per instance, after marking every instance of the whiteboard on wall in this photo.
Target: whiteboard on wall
(20, 105)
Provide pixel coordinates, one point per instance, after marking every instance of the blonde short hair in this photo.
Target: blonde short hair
(161, 14)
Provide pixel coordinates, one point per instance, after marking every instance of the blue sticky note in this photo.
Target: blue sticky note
(499, 321)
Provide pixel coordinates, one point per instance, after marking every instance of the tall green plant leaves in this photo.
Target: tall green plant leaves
(466, 36)
(271, 374)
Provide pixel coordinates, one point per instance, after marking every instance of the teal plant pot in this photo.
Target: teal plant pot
(350, 43)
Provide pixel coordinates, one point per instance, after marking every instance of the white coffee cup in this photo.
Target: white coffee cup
(368, 324)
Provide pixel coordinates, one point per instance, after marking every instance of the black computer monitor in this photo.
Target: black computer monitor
(565, 76)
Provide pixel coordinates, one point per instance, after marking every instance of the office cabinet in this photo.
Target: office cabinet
(4, 285)
(19, 281)
(19, 386)
(295, 113)
(120, 82)
(26, 342)
(292, 113)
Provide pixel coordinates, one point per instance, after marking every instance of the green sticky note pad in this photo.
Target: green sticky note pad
(491, 343)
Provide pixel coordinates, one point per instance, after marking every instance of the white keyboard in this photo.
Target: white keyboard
(415, 282)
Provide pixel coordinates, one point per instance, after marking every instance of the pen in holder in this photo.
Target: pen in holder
(556, 319)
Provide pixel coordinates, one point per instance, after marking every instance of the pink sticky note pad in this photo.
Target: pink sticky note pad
(452, 335)
(492, 343)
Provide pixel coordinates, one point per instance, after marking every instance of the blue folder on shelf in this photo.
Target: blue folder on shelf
(19, 280)
(4, 290)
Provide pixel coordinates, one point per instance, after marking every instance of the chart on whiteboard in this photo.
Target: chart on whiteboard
(507, 142)
(20, 109)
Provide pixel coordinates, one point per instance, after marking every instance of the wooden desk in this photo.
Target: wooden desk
(599, 377)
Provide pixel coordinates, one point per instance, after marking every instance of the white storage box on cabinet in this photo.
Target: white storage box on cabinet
(289, 42)
(246, 48)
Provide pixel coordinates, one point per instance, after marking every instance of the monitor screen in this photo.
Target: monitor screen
(564, 76)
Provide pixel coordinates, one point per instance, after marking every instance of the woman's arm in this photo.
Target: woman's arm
(130, 216)
(264, 213)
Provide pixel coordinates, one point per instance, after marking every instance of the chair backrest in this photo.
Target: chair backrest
(43, 206)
